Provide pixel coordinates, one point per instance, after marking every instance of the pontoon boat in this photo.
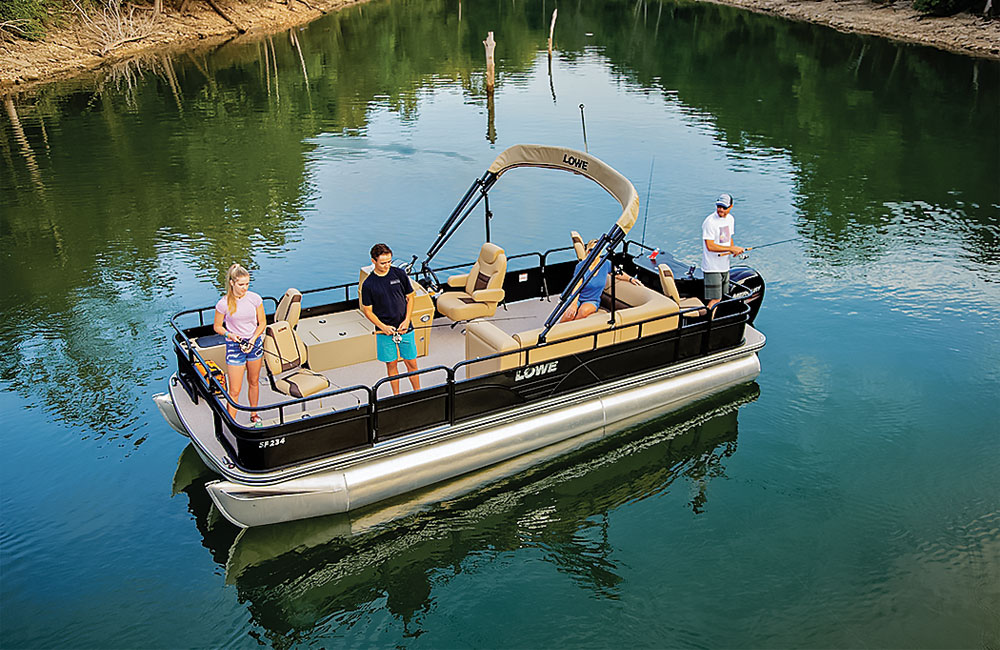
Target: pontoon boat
(501, 377)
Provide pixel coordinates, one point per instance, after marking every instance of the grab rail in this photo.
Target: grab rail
(372, 392)
(212, 389)
(594, 335)
(211, 381)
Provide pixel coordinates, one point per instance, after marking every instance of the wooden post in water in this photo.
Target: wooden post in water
(552, 28)
(491, 132)
(490, 45)
(490, 65)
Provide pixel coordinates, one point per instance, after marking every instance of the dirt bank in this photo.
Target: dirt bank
(964, 33)
(70, 51)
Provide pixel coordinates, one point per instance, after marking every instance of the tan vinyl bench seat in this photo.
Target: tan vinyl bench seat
(484, 338)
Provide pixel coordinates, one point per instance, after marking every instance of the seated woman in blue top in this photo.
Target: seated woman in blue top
(589, 298)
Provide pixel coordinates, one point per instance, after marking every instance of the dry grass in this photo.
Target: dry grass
(113, 25)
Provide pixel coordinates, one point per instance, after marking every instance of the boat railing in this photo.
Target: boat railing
(212, 385)
(373, 418)
(209, 382)
(707, 325)
(632, 242)
(201, 311)
(346, 287)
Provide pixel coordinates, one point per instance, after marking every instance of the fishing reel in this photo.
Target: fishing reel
(397, 337)
(246, 346)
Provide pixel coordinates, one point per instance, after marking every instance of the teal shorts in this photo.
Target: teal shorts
(386, 347)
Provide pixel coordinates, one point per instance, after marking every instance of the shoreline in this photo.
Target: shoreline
(963, 33)
(64, 53)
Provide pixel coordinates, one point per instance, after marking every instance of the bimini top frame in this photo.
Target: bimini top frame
(570, 160)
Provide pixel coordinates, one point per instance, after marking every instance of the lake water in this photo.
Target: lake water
(848, 498)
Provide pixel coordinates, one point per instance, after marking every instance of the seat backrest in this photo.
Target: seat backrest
(483, 339)
(578, 244)
(667, 283)
(596, 323)
(645, 303)
(489, 270)
(283, 349)
(289, 307)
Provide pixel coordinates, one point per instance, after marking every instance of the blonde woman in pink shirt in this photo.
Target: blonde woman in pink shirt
(239, 316)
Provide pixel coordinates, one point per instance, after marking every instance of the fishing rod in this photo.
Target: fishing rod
(649, 188)
(753, 248)
(774, 243)
(456, 323)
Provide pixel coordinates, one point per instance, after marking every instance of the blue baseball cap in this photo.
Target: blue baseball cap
(724, 201)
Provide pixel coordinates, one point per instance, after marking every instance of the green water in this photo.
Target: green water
(849, 498)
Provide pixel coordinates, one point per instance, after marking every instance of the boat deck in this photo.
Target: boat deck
(446, 348)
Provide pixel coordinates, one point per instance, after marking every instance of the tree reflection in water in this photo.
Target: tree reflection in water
(114, 188)
(298, 576)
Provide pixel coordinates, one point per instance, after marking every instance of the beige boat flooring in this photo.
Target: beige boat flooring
(446, 348)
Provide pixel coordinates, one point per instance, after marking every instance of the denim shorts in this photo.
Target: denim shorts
(386, 347)
(237, 357)
(716, 285)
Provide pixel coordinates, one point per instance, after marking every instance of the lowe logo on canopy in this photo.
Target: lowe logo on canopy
(536, 371)
(573, 161)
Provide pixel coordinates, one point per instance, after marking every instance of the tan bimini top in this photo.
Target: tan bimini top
(536, 155)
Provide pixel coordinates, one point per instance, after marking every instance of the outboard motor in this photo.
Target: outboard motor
(750, 281)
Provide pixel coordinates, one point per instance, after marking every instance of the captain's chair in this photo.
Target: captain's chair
(289, 308)
(482, 287)
(285, 354)
(578, 244)
(670, 289)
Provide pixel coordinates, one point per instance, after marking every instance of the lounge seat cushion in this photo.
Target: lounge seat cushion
(482, 290)
(670, 289)
(284, 356)
(458, 305)
(301, 383)
(483, 339)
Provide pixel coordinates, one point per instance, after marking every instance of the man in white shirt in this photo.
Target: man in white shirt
(717, 245)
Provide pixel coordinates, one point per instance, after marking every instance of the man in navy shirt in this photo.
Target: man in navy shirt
(387, 301)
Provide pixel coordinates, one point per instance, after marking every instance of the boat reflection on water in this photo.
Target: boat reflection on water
(297, 574)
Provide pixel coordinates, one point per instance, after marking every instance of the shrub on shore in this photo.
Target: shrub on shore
(26, 18)
(944, 7)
